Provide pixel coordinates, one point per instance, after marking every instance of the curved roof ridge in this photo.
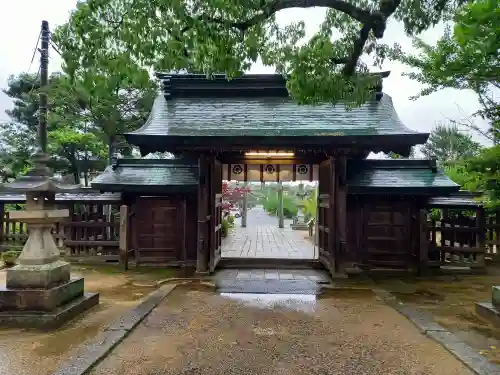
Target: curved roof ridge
(158, 107)
(270, 117)
(387, 101)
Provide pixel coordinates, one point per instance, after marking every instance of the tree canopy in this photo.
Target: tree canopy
(82, 128)
(227, 36)
(448, 145)
(467, 58)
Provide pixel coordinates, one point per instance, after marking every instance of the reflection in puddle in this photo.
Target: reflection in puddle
(298, 302)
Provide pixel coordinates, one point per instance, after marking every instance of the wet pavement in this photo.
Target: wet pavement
(25, 352)
(271, 281)
(320, 276)
(263, 239)
(269, 287)
(199, 332)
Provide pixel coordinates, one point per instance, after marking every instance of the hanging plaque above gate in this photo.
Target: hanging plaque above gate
(270, 172)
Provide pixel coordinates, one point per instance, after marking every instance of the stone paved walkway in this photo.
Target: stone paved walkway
(319, 276)
(268, 241)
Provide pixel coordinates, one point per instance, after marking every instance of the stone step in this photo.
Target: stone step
(40, 299)
(274, 263)
(49, 320)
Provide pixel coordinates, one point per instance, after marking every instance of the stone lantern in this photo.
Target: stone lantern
(299, 223)
(39, 291)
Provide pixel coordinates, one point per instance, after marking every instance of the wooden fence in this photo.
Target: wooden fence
(459, 232)
(89, 233)
(464, 238)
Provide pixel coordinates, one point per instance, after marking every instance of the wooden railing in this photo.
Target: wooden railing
(457, 242)
(87, 235)
(464, 238)
(492, 236)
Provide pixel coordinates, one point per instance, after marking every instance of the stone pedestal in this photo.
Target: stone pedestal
(490, 311)
(495, 296)
(39, 292)
(300, 224)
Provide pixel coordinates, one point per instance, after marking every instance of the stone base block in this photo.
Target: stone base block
(488, 312)
(495, 296)
(40, 299)
(299, 226)
(42, 276)
(49, 320)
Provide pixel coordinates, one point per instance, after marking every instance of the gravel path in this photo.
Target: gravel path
(200, 333)
(25, 352)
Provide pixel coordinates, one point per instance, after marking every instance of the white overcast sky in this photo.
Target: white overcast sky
(20, 20)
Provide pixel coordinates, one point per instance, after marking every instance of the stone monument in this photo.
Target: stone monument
(39, 292)
(300, 223)
(490, 310)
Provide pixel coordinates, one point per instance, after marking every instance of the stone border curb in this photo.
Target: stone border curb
(426, 324)
(88, 355)
(171, 280)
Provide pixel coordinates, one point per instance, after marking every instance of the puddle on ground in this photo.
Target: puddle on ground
(298, 302)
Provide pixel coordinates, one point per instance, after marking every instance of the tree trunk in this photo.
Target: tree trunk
(111, 148)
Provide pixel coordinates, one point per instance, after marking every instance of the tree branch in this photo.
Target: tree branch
(372, 21)
(178, 38)
(272, 7)
(359, 44)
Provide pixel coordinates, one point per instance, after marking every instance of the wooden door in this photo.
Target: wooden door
(216, 230)
(158, 230)
(215, 209)
(388, 234)
(327, 228)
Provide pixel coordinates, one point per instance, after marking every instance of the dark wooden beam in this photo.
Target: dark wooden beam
(423, 242)
(333, 241)
(203, 195)
(183, 227)
(282, 161)
(328, 144)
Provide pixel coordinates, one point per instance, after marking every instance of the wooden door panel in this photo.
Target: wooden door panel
(215, 210)
(163, 215)
(164, 243)
(399, 218)
(386, 233)
(158, 224)
(379, 217)
(328, 226)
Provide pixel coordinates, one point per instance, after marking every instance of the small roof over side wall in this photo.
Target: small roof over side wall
(148, 176)
(398, 176)
(83, 195)
(462, 199)
(256, 110)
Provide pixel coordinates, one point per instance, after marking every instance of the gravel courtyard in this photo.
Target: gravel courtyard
(199, 332)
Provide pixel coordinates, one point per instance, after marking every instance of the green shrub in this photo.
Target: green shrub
(290, 212)
(230, 221)
(271, 205)
(9, 257)
(225, 226)
(435, 214)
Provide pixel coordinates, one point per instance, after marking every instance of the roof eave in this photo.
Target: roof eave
(400, 143)
(430, 191)
(144, 189)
